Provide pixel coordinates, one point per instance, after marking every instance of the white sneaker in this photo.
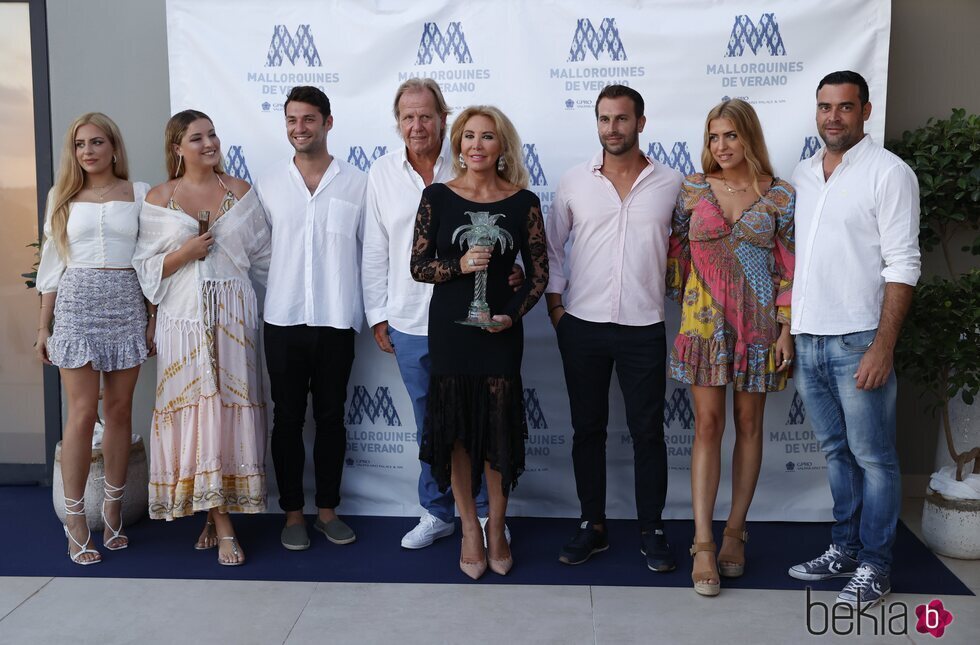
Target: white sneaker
(483, 525)
(429, 529)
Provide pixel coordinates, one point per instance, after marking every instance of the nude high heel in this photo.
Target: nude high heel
(474, 570)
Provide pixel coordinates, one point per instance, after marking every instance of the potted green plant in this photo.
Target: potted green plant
(29, 278)
(940, 343)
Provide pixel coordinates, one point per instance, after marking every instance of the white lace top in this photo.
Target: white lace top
(100, 236)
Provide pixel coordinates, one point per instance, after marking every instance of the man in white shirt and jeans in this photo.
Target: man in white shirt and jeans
(396, 306)
(616, 209)
(313, 308)
(857, 262)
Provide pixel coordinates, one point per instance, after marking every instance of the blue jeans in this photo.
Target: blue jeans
(856, 431)
(412, 355)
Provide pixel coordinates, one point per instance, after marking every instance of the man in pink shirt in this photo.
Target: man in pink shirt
(606, 300)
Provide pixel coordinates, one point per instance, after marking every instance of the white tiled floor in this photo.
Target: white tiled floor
(191, 612)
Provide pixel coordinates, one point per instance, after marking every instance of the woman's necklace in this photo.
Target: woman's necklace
(105, 189)
(732, 191)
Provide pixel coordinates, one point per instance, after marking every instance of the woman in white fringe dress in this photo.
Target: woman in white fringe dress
(209, 421)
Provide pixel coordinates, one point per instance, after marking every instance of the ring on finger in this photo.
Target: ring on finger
(471, 262)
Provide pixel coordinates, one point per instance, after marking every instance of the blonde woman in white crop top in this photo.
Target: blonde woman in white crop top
(91, 292)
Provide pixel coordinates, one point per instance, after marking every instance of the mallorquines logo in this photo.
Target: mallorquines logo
(810, 147)
(539, 182)
(679, 157)
(453, 44)
(377, 410)
(598, 57)
(235, 163)
(380, 406)
(447, 52)
(589, 40)
(289, 49)
(539, 444)
(679, 428)
(358, 158)
(746, 34)
(797, 441)
(760, 39)
(797, 411)
(678, 408)
(532, 410)
(533, 164)
(286, 45)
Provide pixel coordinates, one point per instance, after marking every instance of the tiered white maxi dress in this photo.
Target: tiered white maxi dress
(209, 421)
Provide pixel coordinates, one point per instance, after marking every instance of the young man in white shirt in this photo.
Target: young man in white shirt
(396, 306)
(617, 209)
(313, 308)
(857, 262)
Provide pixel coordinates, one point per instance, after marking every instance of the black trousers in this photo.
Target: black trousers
(589, 352)
(305, 360)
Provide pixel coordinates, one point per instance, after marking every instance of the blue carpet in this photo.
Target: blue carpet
(34, 545)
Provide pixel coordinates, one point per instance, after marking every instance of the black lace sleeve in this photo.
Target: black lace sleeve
(424, 265)
(534, 252)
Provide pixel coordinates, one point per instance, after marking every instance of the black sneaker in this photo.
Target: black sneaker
(586, 542)
(654, 546)
(832, 564)
(866, 588)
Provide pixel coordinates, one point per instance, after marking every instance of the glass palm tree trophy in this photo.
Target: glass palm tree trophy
(483, 231)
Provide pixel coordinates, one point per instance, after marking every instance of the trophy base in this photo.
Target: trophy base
(480, 323)
(479, 315)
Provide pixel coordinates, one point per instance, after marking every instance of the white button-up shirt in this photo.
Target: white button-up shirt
(854, 232)
(394, 191)
(315, 273)
(614, 267)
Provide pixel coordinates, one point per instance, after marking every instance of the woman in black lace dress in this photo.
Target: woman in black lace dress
(475, 411)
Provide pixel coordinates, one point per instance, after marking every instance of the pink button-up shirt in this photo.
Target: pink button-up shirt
(613, 269)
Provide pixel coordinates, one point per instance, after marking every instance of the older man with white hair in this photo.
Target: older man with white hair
(396, 306)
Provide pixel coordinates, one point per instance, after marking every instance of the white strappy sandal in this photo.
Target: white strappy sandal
(77, 507)
(113, 494)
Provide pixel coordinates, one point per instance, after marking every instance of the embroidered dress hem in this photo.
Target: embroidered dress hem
(205, 478)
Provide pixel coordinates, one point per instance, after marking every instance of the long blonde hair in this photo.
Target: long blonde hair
(749, 132)
(71, 178)
(513, 152)
(174, 132)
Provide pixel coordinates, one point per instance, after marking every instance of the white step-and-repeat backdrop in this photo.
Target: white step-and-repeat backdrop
(543, 62)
